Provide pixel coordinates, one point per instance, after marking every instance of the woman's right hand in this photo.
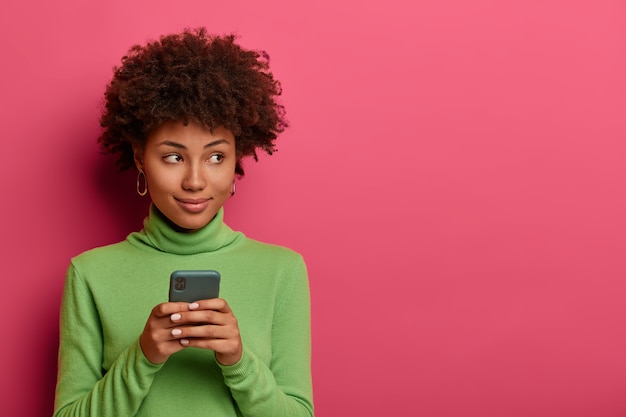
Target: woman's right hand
(157, 341)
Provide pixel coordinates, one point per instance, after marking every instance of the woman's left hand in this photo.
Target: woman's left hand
(211, 324)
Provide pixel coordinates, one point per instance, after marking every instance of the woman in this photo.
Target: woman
(184, 111)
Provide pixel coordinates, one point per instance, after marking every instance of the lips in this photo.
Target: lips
(193, 205)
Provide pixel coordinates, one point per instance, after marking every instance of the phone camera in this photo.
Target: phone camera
(179, 283)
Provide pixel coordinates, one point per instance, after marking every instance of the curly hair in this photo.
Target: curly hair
(194, 77)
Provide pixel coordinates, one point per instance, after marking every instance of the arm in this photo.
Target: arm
(82, 387)
(285, 388)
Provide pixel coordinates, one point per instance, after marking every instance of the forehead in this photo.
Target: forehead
(190, 134)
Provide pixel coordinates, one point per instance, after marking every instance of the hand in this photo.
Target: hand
(157, 341)
(209, 324)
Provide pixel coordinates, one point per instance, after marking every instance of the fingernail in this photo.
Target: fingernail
(193, 306)
(184, 342)
(176, 332)
(175, 317)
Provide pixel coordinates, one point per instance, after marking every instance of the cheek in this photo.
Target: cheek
(160, 183)
(224, 184)
(222, 180)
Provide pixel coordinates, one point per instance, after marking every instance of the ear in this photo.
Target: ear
(138, 156)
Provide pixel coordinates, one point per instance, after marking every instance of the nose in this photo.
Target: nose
(194, 178)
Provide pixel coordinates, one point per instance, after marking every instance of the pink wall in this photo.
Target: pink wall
(454, 175)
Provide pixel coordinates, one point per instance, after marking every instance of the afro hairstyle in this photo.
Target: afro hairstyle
(192, 77)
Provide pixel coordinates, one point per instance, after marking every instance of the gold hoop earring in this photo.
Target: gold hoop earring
(232, 193)
(145, 183)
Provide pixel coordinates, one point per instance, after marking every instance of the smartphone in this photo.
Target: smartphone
(193, 285)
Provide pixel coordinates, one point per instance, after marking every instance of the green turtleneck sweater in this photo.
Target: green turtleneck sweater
(110, 291)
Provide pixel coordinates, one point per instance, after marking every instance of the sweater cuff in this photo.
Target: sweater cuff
(142, 364)
(241, 369)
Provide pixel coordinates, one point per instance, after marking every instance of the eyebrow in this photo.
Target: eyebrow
(181, 146)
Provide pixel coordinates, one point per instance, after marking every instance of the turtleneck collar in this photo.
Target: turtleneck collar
(158, 233)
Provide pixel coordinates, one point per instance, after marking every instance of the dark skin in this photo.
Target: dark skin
(190, 171)
(206, 324)
(203, 80)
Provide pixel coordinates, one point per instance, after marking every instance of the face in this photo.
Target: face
(190, 171)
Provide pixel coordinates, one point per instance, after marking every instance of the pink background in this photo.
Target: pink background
(454, 175)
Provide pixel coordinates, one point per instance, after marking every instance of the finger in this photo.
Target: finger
(165, 321)
(157, 343)
(224, 346)
(227, 351)
(166, 309)
(158, 352)
(160, 329)
(205, 332)
(217, 304)
(205, 317)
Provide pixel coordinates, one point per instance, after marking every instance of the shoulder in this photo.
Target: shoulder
(277, 252)
(269, 259)
(102, 255)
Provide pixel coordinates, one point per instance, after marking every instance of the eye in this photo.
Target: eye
(172, 158)
(216, 158)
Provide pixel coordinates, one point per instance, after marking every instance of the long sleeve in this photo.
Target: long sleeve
(83, 387)
(283, 389)
(110, 291)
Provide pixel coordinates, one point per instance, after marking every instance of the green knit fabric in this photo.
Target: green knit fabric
(110, 291)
